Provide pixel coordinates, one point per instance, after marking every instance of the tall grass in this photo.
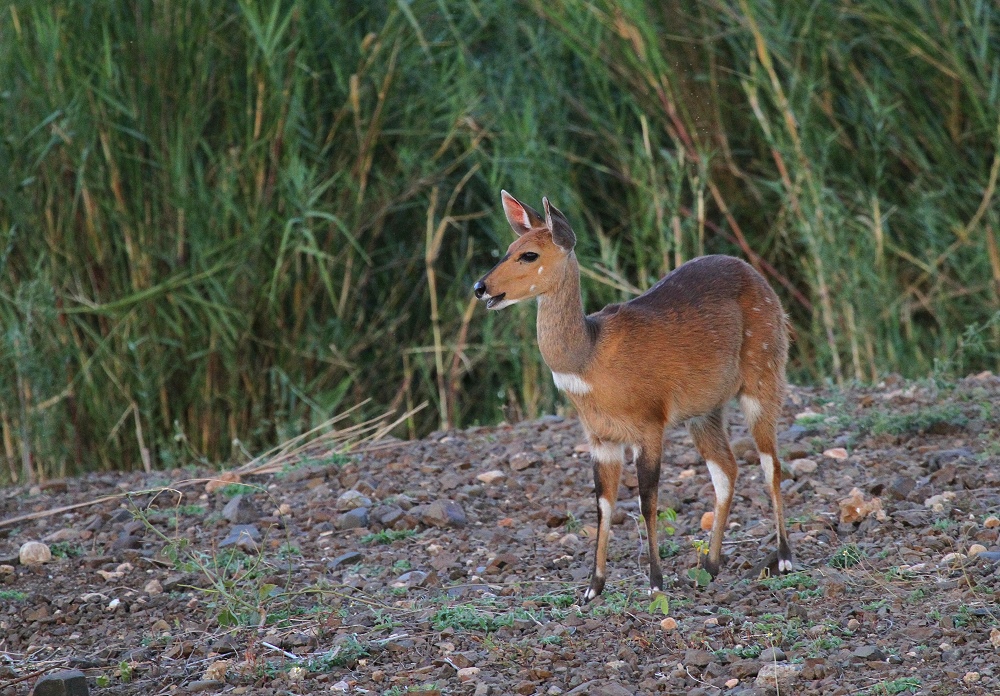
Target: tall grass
(223, 222)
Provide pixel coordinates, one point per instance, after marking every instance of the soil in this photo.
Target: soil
(456, 565)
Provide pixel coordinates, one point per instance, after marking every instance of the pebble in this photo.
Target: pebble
(444, 513)
(245, 537)
(467, 674)
(976, 549)
(67, 682)
(732, 683)
(491, 477)
(669, 624)
(936, 502)
(346, 559)
(838, 453)
(353, 519)
(991, 522)
(241, 510)
(352, 499)
(995, 638)
(34, 553)
(777, 677)
(802, 467)
(772, 655)
(971, 677)
(707, 520)
(153, 588)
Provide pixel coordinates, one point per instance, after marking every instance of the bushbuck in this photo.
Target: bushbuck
(709, 331)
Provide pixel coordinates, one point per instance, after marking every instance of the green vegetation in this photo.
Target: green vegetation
(13, 596)
(387, 536)
(896, 686)
(879, 422)
(221, 223)
(796, 581)
(847, 556)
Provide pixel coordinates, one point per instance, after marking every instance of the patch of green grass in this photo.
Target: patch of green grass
(559, 600)
(67, 549)
(345, 654)
(13, 596)
(881, 422)
(846, 556)
(896, 686)
(232, 490)
(387, 536)
(874, 606)
(669, 548)
(467, 617)
(943, 524)
(798, 580)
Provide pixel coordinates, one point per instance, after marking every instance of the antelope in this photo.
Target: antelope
(710, 331)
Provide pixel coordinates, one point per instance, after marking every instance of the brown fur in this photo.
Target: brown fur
(709, 331)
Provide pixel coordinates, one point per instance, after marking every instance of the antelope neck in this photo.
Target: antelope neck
(565, 339)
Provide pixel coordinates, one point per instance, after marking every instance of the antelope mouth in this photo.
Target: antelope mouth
(495, 300)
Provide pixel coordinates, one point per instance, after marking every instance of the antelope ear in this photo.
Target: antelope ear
(562, 233)
(522, 218)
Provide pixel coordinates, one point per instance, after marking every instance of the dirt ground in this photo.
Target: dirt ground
(456, 565)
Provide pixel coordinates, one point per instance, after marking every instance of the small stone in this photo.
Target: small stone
(491, 477)
(868, 653)
(936, 502)
(241, 510)
(669, 624)
(732, 683)
(566, 540)
(556, 518)
(245, 537)
(153, 588)
(707, 520)
(349, 500)
(467, 674)
(743, 446)
(6, 569)
(900, 487)
(444, 513)
(346, 559)
(995, 638)
(217, 671)
(971, 677)
(953, 559)
(975, 550)
(67, 682)
(853, 624)
(773, 655)
(34, 553)
(777, 677)
(802, 467)
(838, 453)
(413, 578)
(698, 658)
(353, 519)
(523, 460)
(991, 522)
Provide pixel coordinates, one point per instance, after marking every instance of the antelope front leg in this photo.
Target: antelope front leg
(608, 460)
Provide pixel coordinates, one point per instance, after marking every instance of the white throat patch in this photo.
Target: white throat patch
(571, 382)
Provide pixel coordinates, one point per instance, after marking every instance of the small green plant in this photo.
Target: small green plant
(234, 489)
(846, 556)
(943, 524)
(798, 580)
(559, 600)
(573, 524)
(879, 422)
(67, 549)
(896, 686)
(874, 606)
(402, 564)
(345, 654)
(103, 681)
(124, 672)
(660, 604)
(699, 576)
(387, 536)
(13, 595)
(669, 548)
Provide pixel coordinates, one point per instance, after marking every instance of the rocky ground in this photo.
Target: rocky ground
(455, 565)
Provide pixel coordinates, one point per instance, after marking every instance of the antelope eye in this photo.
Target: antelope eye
(528, 256)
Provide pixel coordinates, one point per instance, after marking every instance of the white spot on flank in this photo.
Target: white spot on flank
(570, 382)
(751, 409)
(767, 464)
(720, 482)
(532, 289)
(764, 346)
(540, 269)
(608, 453)
(748, 332)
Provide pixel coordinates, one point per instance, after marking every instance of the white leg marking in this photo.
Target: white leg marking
(751, 409)
(767, 464)
(720, 482)
(606, 511)
(589, 594)
(571, 382)
(785, 566)
(608, 452)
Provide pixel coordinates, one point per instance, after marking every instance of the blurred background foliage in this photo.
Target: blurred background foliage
(223, 222)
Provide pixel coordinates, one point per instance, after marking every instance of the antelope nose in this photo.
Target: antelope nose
(480, 289)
